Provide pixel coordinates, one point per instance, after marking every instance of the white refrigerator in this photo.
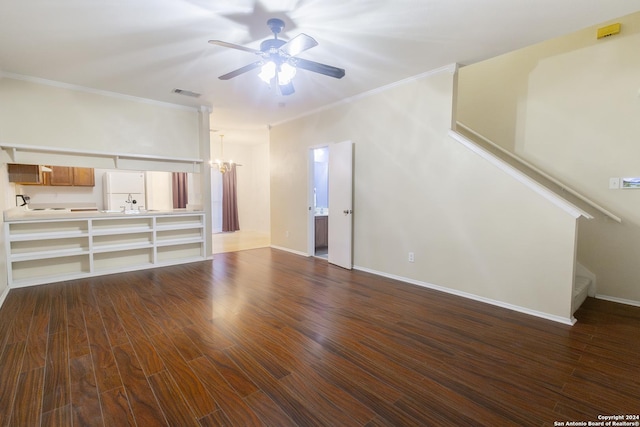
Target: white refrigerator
(124, 191)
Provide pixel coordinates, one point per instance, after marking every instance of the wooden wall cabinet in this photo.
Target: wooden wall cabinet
(84, 177)
(71, 176)
(25, 174)
(59, 175)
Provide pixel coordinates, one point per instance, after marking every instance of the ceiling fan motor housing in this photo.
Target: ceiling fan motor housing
(276, 25)
(271, 45)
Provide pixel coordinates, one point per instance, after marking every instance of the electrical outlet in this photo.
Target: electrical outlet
(614, 183)
(411, 257)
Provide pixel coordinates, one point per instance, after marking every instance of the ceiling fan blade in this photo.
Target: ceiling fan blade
(317, 67)
(235, 46)
(286, 89)
(241, 70)
(298, 44)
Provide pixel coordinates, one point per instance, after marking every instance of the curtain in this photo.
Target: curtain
(180, 198)
(230, 201)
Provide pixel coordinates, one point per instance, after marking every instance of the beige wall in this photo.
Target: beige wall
(473, 229)
(571, 106)
(44, 115)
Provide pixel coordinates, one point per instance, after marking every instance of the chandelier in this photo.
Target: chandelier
(223, 165)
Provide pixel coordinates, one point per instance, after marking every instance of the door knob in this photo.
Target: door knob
(347, 211)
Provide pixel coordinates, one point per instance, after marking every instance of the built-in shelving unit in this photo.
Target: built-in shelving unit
(47, 250)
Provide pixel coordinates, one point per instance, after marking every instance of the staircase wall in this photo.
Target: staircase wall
(571, 106)
(474, 229)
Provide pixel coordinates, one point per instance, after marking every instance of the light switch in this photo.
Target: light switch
(614, 183)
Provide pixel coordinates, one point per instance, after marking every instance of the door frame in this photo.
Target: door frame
(311, 225)
(310, 210)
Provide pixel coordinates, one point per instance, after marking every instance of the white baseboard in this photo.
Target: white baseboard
(565, 320)
(3, 296)
(280, 248)
(618, 300)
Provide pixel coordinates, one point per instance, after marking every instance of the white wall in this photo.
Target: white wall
(571, 107)
(6, 201)
(472, 228)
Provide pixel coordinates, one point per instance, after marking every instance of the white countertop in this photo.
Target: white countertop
(22, 214)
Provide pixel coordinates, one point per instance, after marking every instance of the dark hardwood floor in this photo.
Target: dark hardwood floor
(263, 337)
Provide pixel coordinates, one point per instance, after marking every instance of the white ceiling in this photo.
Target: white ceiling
(147, 48)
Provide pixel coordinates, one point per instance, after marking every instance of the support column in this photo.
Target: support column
(205, 176)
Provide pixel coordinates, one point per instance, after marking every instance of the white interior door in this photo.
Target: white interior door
(341, 204)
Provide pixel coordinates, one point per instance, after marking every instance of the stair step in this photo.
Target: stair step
(581, 284)
(580, 291)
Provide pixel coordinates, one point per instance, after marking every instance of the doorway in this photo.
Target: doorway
(337, 160)
(321, 201)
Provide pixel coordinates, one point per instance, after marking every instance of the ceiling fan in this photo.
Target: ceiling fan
(278, 58)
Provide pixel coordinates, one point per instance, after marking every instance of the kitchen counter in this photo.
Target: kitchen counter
(22, 214)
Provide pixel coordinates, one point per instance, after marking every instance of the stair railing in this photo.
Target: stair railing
(542, 173)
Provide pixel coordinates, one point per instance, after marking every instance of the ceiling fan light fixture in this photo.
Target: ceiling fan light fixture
(286, 74)
(279, 59)
(268, 72)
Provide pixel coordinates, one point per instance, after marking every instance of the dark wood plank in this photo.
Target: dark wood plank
(76, 328)
(56, 379)
(59, 417)
(104, 364)
(232, 374)
(10, 363)
(215, 419)
(148, 356)
(264, 337)
(175, 408)
(288, 401)
(232, 405)
(268, 411)
(187, 381)
(112, 324)
(85, 401)
(36, 350)
(143, 403)
(115, 408)
(27, 410)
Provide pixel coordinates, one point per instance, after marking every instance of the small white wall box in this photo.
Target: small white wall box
(629, 183)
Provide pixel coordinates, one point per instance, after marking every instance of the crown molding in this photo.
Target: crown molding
(451, 68)
(69, 86)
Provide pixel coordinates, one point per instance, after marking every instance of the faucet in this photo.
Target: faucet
(23, 200)
(128, 204)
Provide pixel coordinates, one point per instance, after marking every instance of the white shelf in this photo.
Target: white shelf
(178, 227)
(32, 281)
(45, 251)
(175, 242)
(132, 230)
(47, 236)
(121, 247)
(28, 256)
